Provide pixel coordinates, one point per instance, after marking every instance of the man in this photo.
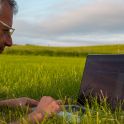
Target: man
(46, 104)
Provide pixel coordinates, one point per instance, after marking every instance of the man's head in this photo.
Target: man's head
(7, 9)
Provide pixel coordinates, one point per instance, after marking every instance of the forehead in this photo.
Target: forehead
(6, 13)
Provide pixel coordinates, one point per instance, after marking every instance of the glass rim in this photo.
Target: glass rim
(6, 25)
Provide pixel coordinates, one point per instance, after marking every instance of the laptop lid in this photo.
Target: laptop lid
(103, 77)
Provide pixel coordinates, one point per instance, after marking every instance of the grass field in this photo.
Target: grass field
(34, 75)
(64, 51)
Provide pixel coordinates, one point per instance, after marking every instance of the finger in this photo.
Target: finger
(59, 102)
(58, 108)
(47, 99)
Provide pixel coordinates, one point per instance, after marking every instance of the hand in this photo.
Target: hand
(24, 101)
(48, 105)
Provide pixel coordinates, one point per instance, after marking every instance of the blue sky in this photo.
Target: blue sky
(69, 22)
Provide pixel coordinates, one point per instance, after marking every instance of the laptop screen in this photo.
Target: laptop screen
(103, 77)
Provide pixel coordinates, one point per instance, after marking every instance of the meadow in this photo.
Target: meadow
(35, 71)
(64, 51)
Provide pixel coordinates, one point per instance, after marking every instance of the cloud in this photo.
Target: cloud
(90, 23)
(104, 17)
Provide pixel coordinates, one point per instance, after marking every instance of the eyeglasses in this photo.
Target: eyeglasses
(10, 31)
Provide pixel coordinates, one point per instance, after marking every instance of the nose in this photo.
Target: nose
(8, 40)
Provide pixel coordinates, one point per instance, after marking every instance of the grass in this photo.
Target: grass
(35, 76)
(31, 75)
(65, 51)
(45, 74)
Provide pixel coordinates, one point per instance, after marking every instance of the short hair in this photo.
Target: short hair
(12, 4)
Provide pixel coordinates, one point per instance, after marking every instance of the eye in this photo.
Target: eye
(6, 31)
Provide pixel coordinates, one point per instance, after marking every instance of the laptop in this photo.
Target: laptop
(103, 76)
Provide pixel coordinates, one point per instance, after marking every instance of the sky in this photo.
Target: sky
(69, 22)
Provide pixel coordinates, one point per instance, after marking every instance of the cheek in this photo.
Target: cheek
(1, 43)
(1, 38)
(7, 40)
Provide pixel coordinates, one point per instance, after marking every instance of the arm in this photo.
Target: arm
(19, 102)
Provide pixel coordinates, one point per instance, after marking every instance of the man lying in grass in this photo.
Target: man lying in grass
(46, 104)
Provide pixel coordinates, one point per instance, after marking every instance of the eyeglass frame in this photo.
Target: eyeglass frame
(6, 25)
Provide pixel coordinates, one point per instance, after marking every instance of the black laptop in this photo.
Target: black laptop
(103, 78)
